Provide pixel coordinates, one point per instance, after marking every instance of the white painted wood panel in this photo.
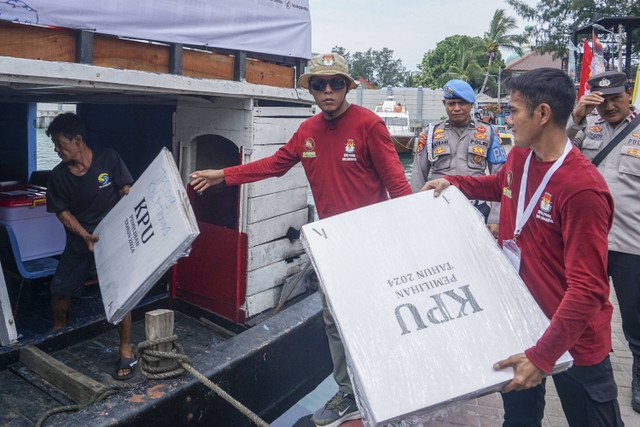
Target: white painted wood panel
(265, 300)
(274, 275)
(274, 130)
(270, 252)
(275, 204)
(293, 179)
(283, 112)
(275, 228)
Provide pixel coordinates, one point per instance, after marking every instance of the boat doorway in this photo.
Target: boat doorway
(213, 277)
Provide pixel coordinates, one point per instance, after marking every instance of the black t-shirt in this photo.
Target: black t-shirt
(91, 196)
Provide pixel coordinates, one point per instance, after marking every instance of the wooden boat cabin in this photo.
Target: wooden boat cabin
(224, 96)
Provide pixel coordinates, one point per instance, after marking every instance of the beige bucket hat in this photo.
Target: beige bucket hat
(326, 64)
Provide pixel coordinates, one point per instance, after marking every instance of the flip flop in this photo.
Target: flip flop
(125, 363)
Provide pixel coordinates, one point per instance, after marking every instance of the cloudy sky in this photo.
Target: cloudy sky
(409, 27)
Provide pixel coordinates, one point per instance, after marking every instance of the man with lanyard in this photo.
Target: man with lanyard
(459, 145)
(81, 190)
(556, 213)
(350, 162)
(611, 96)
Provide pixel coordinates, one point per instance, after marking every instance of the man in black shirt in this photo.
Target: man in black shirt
(82, 189)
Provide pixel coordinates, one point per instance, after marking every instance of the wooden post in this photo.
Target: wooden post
(159, 324)
(8, 334)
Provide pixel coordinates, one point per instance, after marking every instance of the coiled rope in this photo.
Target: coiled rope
(106, 391)
(181, 363)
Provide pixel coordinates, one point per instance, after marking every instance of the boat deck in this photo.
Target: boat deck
(25, 396)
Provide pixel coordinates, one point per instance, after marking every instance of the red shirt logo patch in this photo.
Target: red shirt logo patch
(309, 144)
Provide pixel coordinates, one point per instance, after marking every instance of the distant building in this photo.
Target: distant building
(530, 61)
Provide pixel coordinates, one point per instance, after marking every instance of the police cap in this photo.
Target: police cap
(609, 82)
(458, 89)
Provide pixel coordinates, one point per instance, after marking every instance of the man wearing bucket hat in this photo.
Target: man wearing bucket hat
(350, 162)
(459, 145)
(611, 97)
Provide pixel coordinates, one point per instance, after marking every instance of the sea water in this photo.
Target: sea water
(46, 157)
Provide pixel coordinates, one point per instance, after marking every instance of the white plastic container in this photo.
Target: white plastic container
(38, 232)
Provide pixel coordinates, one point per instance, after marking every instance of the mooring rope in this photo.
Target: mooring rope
(103, 393)
(180, 363)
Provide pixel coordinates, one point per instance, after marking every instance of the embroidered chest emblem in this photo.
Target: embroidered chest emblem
(309, 149)
(349, 151)
(546, 203)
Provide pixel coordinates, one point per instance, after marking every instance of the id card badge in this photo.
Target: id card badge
(512, 251)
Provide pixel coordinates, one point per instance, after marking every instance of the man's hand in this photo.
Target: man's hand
(493, 228)
(525, 374)
(90, 239)
(124, 191)
(206, 178)
(437, 185)
(586, 105)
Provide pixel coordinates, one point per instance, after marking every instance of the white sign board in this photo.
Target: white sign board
(142, 236)
(425, 302)
(277, 27)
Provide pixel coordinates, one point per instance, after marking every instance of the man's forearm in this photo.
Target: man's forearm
(71, 223)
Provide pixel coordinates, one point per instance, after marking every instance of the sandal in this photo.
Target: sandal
(125, 363)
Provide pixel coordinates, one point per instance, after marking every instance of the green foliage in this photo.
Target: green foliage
(375, 66)
(498, 37)
(452, 55)
(555, 18)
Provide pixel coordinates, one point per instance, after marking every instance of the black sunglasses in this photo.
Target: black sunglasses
(336, 83)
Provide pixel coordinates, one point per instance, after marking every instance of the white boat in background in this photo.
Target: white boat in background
(396, 117)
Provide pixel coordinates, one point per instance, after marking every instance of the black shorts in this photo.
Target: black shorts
(74, 268)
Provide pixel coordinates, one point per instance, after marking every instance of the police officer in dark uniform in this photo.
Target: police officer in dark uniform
(611, 97)
(459, 145)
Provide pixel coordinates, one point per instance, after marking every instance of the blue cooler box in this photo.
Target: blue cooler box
(24, 209)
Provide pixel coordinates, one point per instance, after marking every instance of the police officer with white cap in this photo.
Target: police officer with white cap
(459, 145)
(611, 97)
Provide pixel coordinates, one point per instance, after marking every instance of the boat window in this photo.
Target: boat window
(46, 157)
(395, 121)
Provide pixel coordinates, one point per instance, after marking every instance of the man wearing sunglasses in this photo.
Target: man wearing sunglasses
(350, 162)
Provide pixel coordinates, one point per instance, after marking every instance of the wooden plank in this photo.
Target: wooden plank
(289, 112)
(33, 42)
(159, 324)
(295, 178)
(8, 334)
(266, 73)
(276, 204)
(267, 299)
(271, 252)
(77, 386)
(273, 130)
(210, 65)
(117, 53)
(275, 228)
(274, 274)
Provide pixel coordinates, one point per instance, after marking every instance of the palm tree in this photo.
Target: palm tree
(467, 70)
(497, 38)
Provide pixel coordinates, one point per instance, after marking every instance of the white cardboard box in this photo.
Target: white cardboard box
(425, 303)
(142, 236)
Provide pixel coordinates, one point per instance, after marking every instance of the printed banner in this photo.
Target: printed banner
(277, 27)
(572, 61)
(597, 63)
